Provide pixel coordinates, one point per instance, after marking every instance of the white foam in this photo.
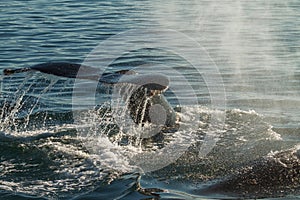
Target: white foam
(239, 111)
(272, 134)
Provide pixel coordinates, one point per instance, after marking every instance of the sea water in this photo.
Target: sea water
(234, 80)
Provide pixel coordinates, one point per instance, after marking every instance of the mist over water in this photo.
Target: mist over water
(253, 43)
(53, 149)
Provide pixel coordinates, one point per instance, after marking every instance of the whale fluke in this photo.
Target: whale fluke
(70, 70)
(64, 69)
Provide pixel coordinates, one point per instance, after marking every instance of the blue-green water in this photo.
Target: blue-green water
(254, 45)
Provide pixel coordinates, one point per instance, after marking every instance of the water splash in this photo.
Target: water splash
(12, 106)
(32, 143)
(25, 102)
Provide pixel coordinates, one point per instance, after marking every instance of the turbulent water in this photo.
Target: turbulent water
(234, 81)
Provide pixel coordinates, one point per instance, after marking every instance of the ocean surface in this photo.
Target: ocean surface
(234, 71)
